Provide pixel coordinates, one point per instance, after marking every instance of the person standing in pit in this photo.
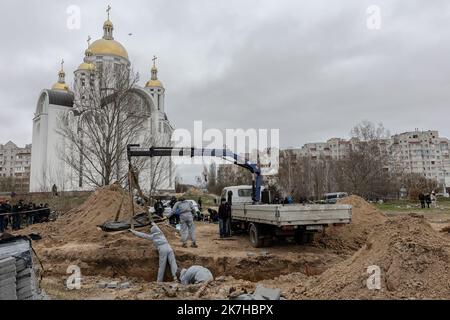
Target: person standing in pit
(165, 251)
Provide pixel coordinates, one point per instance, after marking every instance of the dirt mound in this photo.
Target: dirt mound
(105, 204)
(349, 238)
(413, 259)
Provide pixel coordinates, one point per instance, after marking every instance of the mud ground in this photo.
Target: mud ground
(412, 252)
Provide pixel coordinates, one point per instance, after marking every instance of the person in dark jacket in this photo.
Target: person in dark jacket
(55, 190)
(17, 209)
(213, 215)
(422, 200)
(428, 200)
(224, 216)
(230, 197)
(2, 218)
(7, 209)
(174, 218)
(159, 208)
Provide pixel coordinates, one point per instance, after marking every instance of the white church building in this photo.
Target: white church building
(47, 166)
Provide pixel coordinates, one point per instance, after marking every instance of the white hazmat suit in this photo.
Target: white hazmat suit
(195, 274)
(185, 209)
(164, 249)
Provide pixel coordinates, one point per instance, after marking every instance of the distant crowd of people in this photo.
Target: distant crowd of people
(428, 200)
(15, 216)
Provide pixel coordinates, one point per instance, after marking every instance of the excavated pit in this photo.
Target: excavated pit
(75, 239)
(142, 262)
(413, 257)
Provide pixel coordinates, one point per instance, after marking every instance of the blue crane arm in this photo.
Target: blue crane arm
(138, 151)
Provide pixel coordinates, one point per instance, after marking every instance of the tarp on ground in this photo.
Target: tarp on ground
(140, 220)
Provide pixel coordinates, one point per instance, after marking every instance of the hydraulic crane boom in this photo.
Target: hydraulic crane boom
(135, 150)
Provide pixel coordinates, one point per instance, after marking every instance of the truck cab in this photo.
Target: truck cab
(240, 194)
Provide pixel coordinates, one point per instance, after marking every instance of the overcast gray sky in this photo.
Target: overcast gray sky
(312, 69)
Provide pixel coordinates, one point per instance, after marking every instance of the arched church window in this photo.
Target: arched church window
(40, 108)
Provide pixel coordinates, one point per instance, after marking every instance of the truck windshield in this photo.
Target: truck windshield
(245, 192)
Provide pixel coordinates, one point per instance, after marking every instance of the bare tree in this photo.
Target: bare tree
(211, 183)
(231, 175)
(157, 171)
(364, 170)
(304, 177)
(7, 184)
(416, 183)
(106, 117)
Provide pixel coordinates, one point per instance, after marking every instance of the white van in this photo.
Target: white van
(333, 198)
(241, 194)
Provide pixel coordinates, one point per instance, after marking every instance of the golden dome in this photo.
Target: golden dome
(154, 83)
(87, 66)
(60, 86)
(108, 47)
(108, 23)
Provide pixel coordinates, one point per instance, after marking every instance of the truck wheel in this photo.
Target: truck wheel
(309, 237)
(256, 235)
(300, 237)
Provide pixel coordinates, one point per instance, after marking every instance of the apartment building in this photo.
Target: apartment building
(422, 152)
(334, 148)
(15, 163)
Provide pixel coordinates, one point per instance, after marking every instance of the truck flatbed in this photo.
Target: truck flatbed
(293, 214)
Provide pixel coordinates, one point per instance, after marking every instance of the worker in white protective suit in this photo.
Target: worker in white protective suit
(195, 274)
(186, 211)
(164, 249)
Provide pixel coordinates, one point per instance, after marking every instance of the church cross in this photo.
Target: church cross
(62, 64)
(154, 61)
(108, 10)
(89, 40)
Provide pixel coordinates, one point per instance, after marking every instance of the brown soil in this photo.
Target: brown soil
(105, 204)
(349, 238)
(76, 239)
(414, 262)
(414, 258)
